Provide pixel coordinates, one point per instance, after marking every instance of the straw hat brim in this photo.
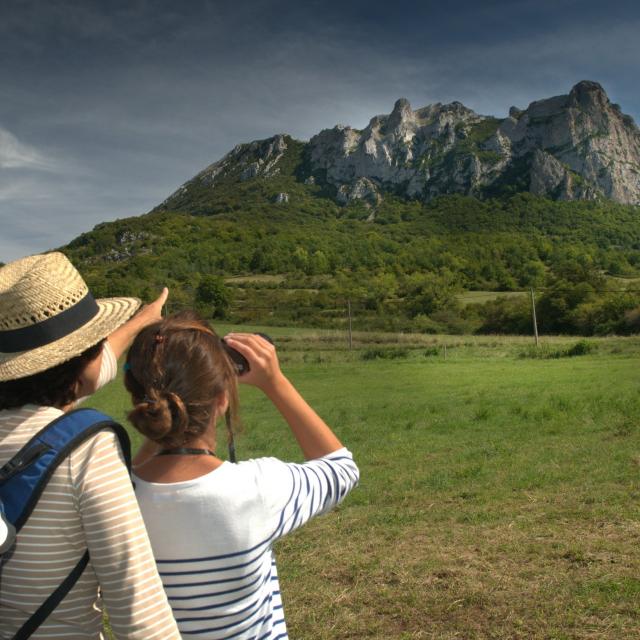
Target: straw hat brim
(112, 312)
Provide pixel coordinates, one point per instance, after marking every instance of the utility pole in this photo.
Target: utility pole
(350, 333)
(533, 312)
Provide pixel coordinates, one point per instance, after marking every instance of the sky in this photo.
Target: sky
(107, 107)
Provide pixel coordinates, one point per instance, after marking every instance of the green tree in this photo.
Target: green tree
(212, 297)
(426, 293)
(506, 315)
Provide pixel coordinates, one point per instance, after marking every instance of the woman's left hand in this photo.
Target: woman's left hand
(264, 367)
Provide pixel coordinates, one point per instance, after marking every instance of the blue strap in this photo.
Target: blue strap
(25, 476)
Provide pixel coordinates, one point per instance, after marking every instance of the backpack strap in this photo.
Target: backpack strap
(24, 477)
(48, 606)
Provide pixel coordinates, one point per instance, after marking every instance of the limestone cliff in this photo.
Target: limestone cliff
(574, 146)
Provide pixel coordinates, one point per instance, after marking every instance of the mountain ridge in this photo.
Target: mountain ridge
(577, 146)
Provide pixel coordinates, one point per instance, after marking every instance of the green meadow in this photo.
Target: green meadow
(499, 494)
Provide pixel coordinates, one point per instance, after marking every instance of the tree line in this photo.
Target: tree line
(405, 269)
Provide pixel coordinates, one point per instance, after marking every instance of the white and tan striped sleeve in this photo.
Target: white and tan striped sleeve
(108, 369)
(108, 365)
(118, 543)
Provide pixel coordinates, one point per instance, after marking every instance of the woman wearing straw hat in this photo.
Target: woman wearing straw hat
(57, 344)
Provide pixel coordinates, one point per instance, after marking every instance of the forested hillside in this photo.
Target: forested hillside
(405, 269)
(399, 221)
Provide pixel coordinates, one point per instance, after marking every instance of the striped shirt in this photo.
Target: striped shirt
(213, 539)
(88, 503)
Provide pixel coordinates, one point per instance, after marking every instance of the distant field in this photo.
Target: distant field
(478, 297)
(499, 493)
(625, 282)
(264, 278)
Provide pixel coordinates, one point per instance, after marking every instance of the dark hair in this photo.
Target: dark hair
(175, 370)
(55, 387)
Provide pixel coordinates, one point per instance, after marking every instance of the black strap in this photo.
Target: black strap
(22, 459)
(231, 443)
(188, 451)
(47, 607)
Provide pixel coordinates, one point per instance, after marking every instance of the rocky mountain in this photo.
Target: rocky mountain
(399, 218)
(568, 147)
(577, 146)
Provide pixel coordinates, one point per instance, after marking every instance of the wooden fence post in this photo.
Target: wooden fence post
(533, 312)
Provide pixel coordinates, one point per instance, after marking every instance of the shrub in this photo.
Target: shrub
(580, 348)
(384, 354)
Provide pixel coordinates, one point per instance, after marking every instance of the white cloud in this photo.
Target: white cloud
(17, 155)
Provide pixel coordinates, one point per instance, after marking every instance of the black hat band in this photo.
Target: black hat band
(51, 329)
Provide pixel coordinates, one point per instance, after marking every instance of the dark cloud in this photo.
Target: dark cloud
(112, 105)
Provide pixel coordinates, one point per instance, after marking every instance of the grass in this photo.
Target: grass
(499, 493)
(624, 282)
(479, 297)
(259, 278)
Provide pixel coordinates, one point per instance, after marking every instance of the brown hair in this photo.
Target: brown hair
(55, 387)
(175, 371)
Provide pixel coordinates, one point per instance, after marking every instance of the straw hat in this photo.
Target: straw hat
(48, 315)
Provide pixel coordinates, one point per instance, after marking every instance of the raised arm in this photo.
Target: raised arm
(104, 368)
(312, 433)
(120, 340)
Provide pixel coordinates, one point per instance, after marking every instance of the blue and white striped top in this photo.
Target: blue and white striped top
(212, 538)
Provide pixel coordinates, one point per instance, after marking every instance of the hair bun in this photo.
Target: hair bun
(161, 419)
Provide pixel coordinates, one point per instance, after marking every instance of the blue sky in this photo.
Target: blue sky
(107, 107)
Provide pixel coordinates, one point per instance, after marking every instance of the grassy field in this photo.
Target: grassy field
(499, 487)
(479, 297)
